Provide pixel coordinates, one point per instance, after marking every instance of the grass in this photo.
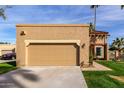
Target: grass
(101, 79)
(6, 67)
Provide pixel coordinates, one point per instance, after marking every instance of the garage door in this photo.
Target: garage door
(52, 55)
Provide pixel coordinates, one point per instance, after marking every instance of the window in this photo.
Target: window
(98, 51)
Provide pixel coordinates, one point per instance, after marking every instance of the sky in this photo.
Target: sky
(109, 18)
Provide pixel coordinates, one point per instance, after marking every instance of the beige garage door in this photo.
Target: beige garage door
(52, 55)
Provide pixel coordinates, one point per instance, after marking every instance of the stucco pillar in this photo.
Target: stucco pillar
(107, 52)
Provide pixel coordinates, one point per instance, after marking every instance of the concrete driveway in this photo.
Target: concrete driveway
(44, 77)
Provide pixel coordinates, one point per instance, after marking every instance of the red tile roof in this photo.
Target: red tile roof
(99, 32)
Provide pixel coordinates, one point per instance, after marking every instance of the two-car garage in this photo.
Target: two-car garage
(52, 45)
(52, 55)
(52, 52)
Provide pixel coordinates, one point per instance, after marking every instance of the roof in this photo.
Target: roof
(99, 32)
(7, 46)
(52, 25)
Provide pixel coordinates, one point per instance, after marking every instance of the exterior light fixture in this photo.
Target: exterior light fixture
(83, 45)
(22, 33)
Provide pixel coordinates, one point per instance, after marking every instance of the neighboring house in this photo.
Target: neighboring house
(99, 46)
(114, 54)
(7, 48)
(56, 44)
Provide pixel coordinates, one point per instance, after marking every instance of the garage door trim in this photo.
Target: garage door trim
(28, 42)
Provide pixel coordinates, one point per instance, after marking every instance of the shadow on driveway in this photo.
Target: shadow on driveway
(44, 77)
(11, 79)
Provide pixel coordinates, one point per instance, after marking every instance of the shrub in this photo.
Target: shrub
(90, 58)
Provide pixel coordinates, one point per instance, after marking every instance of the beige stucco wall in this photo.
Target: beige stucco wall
(100, 40)
(52, 32)
(6, 47)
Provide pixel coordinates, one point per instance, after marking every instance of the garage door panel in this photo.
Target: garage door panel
(52, 54)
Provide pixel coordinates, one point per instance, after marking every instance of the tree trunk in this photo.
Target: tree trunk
(119, 51)
(95, 18)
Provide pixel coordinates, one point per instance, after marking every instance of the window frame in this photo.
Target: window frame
(99, 53)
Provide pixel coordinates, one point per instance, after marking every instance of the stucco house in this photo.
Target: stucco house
(58, 44)
(98, 44)
(7, 48)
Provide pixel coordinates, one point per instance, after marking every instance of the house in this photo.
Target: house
(54, 44)
(7, 48)
(98, 44)
(114, 54)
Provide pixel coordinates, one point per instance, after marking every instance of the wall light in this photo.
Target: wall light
(83, 45)
(22, 33)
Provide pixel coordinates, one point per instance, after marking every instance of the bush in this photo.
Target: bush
(114, 60)
(90, 58)
(13, 63)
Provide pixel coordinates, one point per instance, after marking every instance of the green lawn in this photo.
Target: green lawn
(100, 79)
(5, 67)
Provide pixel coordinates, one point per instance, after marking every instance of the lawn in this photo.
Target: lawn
(101, 79)
(6, 67)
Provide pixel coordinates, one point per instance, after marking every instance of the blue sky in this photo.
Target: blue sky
(109, 18)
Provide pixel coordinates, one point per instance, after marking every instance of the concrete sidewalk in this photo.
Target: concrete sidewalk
(44, 77)
(96, 67)
(6, 61)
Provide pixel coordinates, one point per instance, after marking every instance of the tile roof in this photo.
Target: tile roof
(99, 32)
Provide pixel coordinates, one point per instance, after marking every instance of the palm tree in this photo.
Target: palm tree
(2, 11)
(122, 6)
(94, 7)
(118, 44)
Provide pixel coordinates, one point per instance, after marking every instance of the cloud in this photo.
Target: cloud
(109, 18)
(43, 14)
(109, 14)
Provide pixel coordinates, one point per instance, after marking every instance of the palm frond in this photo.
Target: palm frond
(94, 6)
(118, 43)
(122, 6)
(2, 13)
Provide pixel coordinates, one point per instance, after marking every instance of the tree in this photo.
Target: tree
(122, 6)
(94, 7)
(2, 11)
(118, 44)
(5, 43)
(91, 57)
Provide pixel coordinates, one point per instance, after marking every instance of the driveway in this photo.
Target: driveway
(44, 77)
